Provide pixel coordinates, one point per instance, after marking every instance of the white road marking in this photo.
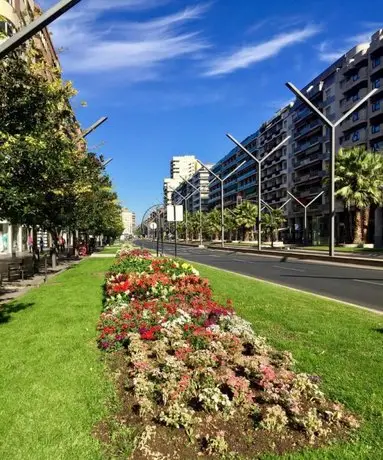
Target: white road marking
(369, 282)
(288, 268)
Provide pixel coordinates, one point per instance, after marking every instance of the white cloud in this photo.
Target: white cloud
(249, 55)
(92, 44)
(329, 53)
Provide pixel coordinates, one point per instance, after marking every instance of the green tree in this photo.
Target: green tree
(246, 217)
(214, 224)
(230, 223)
(272, 221)
(358, 182)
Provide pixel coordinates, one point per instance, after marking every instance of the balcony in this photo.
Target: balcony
(307, 129)
(354, 140)
(377, 41)
(376, 109)
(376, 64)
(305, 145)
(348, 104)
(316, 174)
(378, 131)
(355, 80)
(352, 123)
(246, 186)
(244, 176)
(308, 161)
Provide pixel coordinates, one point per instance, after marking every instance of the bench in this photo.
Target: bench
(16, 269)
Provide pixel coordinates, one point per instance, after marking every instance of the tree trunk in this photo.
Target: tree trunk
(247, 234)
(36, 253)
(358, 227)
(366, 221)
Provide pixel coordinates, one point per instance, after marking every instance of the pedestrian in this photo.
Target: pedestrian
(41, 242)
(30, 243)
(63, 242)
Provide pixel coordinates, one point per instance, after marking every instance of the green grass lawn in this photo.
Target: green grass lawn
(111, 249)
(342, 344)
(53, 387)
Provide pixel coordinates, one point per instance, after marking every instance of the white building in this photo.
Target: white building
(129, 221)
(183, 166)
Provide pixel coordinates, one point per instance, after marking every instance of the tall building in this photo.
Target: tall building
(301, 165)
(180, 167)
(129, 221)
(242, 185)
(199, 180)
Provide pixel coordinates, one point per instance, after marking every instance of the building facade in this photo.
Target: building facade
(181, 167)
(129, 221)
(300, 165)
(199, 180)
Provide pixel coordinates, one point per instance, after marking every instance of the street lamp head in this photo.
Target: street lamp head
(95, 125)
(36, 26)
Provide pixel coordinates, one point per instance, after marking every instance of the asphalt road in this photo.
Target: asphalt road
(360, 286)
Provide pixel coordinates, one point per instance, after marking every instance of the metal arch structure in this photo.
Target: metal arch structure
(153, 214)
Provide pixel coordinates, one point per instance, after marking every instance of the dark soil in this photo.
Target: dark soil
(244, 441)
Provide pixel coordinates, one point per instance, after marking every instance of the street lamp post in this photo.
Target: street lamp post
(305, 207)
(200, 207)
(332, 127)
(222, 181)
(259, 177)
(184, 198)
(36, 26)
(95, 125)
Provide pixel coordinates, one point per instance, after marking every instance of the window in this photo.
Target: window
(378, 146)
(355, 97)
(376, 106)
(328, 111)
(328, 93)
(355, 116)
(355, 77)
(355, 136)
(376, 83)
(375, 129)
(376, 62)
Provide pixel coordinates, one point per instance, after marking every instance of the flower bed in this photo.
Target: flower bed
(189, 364)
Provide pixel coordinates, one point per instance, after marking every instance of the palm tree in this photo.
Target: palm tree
(246, 217)
(230, 222)
(272, 221)
(214, 223)
(358, 182)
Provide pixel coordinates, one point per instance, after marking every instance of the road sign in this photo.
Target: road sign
(152, 225)
(174, 213)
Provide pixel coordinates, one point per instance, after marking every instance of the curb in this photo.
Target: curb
(299, 255)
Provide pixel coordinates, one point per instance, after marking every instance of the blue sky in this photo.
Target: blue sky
(174, 76)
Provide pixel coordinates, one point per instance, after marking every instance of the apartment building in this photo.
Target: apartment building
(301, 165)
(199, 180)
(181, 167)
(242, 185)
(129, 221)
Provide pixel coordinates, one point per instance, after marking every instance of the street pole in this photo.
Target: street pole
(216, 177)
(222, 218)
(259, 207)
(92, 128)
(158, 234)
(200, 206)
(332, 127)
(259, 175)
(305, 207)
(36, 26)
